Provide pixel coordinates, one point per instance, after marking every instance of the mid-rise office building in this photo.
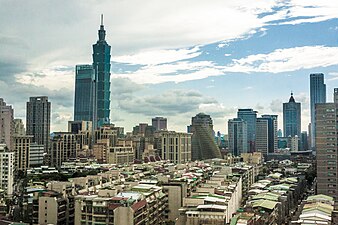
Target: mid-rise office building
(38, 120)
(160, 123)
(101, 65)
(326, 147)
(36, 155)
(63, 148)
(122, 153)
(203, 138)
(237, 134)
(84, 92)
(22, 151)
(6, 169)
(249, 116)
(6, 123)
(292, 118)
(83, 131)
(175, 146)
(317, 95)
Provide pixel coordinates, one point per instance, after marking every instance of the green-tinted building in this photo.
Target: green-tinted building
(101, 65)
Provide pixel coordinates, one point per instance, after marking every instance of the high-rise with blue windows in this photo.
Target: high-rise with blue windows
(317, 95)
(292, 118)
(101, 65)
(84, 93)
(249, 116)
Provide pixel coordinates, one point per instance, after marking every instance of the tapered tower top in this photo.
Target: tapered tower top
(102, 32)
(292, 98)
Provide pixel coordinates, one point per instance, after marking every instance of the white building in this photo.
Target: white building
(175, 146)
(6, 169)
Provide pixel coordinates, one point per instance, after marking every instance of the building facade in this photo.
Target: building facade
(36, 155)
(19, 128)
(175, 146)
(262, 136)
(272, 125)
(317, 95)
(203, 138)
(101, 65)
(249, 116)
(237, 133)
(63, 148)
(326, 147)
(6, 169)
(38, 120)
(84, 92)
(22, 151)
(292, 118)
(160, 123)
(6, 123)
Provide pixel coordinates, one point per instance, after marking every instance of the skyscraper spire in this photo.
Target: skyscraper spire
(292, 99)
(102, 32)
(101, 65)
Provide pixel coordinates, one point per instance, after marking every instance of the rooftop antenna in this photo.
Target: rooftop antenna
(101, 19)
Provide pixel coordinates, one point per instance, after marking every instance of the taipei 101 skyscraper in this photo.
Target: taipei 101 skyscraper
(101, 66)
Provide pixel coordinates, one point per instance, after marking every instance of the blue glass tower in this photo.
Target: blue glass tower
(249, 116)
(101, 65)
(292, 118)
(317, 95)
(84, 93)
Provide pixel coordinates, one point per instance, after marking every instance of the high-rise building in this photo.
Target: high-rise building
(38, 120)
(292, 118)
(249, 116)
(304, 141)
(237, 134)
(203, 144)
(6, 123)
(160, 123)
(84, 93)
(6, 169)
(262, 136)
(317, 95)
(101, 65)
(326, 147)
(272, 126)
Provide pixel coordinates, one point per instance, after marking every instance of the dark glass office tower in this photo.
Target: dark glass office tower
(249, 116)
(101, 65)
(84, 93)
(38, 120)
(292, 118)
(317, 95)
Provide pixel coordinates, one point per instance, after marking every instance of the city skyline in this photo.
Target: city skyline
(172, 71)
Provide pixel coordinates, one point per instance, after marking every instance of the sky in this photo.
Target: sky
(170, 58)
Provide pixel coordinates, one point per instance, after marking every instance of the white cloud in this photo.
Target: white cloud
(175, 72)
(314, 10)
(333, 76)
(54, 78)
(155, 57)
(289, 59)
